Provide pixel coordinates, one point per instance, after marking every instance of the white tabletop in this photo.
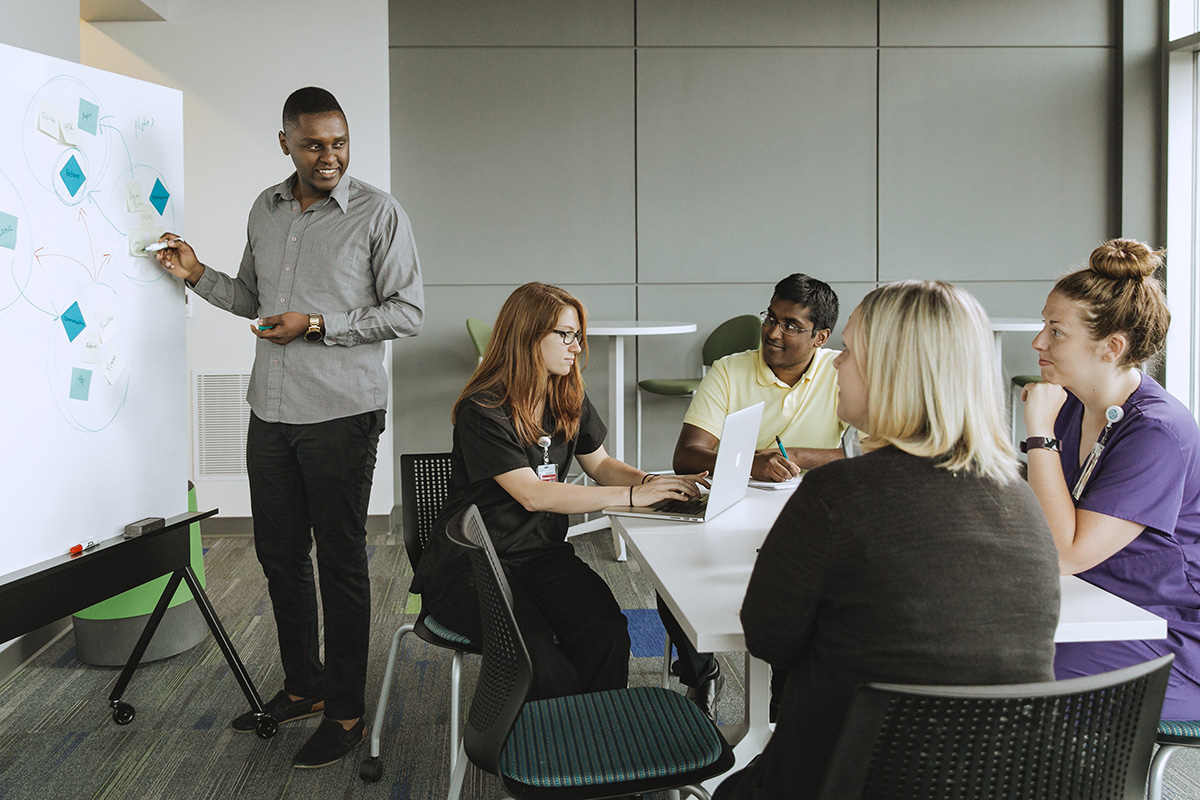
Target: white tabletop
(1015, 324)
(701, 570)
(637, 327)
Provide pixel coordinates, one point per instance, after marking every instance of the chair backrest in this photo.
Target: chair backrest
(506, 671)
(424, 484)
(732, 336)
(1082, 738)
(480, 333)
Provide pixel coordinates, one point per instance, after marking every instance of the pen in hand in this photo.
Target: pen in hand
(781, 448)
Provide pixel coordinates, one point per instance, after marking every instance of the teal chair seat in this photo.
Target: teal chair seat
(1172, 735)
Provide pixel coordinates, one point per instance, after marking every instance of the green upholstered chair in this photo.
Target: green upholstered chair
(1172, 736)
(600, 744)
(1084, 738)
(1015, 385)
(480, 333)
(424, 484)
(731, 336)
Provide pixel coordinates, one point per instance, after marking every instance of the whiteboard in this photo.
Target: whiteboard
(93, 404)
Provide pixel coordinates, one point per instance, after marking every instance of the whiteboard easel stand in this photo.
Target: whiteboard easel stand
(58, 587)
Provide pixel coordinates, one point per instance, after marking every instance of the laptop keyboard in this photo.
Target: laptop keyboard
(693, 506)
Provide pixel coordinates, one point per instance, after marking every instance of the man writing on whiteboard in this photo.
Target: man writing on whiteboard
(330, 271)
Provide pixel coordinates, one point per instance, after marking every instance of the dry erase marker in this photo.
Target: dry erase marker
(79, 548)
(258, 323)
(154, 248)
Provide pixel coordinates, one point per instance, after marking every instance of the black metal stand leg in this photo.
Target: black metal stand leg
(123, 712)
(266, 725)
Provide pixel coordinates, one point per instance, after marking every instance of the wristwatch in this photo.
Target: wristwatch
(1039, 443)
(315, 332)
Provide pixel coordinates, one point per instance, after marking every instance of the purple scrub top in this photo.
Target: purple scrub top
(1149, 473)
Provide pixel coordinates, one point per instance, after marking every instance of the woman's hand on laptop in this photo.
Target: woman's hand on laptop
(668, 487)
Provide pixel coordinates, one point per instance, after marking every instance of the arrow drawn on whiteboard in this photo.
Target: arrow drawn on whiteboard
(128, 155)
(39, 255)
(95, 273)
(100, 208)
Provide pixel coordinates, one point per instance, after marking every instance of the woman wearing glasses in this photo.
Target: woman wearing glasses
(926, 561)
(1115, 462)
(518, 423)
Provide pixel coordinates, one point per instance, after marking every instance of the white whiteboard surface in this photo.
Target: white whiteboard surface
(93, 404)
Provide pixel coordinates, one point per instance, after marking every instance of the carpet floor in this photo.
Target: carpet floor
(57, 738)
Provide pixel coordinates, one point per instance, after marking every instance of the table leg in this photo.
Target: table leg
(751, 736)
(616, 413)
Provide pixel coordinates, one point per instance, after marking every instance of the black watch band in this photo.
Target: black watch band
(1039, 443)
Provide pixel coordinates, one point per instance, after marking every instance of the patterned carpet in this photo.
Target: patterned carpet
(57, 739)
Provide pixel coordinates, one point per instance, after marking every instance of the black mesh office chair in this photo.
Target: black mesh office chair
(1085, 739)
(424, 483)
(600, 744)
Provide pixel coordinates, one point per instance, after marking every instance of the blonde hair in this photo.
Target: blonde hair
(512, 371)
(933, 388)
(1119, 294)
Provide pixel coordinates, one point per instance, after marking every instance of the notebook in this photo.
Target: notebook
(730, 480)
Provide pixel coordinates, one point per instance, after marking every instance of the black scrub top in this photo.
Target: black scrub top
(486, 445)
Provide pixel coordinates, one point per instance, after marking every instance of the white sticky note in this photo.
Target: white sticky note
(108, 327)
(47, 120)
(133, 198)
(91, 347)
(70, 132)
(112, 367)
(138, 239)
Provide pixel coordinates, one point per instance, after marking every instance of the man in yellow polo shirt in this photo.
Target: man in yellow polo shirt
(794, 375)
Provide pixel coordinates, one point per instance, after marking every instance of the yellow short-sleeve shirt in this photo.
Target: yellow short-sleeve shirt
(804, 415)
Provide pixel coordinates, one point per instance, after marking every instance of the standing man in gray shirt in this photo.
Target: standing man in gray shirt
(330, 270)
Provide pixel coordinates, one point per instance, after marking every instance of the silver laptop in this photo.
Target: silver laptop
(730, 479)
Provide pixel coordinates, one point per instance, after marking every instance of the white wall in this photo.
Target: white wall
(236, 62)
(46, 26)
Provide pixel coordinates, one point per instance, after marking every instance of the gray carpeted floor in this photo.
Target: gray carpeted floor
(57, 739)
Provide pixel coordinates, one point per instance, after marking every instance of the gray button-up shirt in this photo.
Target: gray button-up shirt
(350, 258)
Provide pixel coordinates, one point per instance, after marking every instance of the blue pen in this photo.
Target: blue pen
(781, 449)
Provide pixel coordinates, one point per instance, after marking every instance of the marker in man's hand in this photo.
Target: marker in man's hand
(154, 248)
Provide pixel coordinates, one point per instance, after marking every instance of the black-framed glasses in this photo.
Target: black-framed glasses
(570, 337)
(769, 321)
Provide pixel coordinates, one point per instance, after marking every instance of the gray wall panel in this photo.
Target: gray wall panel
(750, 23)
(516, 164)
(992, 162)
(750, 160)
(511, 23)
(982, 23)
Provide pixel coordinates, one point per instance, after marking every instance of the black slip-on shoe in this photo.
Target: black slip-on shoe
(706, 695)
(282, 709)
(329, 744)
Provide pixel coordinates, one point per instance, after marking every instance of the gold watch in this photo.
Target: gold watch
(315, 332)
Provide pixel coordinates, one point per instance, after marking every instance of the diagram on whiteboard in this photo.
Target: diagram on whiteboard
(94, 412)
(79, 206)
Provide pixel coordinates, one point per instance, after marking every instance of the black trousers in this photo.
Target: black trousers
(313, 482)
(577, 637)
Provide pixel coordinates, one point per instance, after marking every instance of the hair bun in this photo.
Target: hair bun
(1125, 258)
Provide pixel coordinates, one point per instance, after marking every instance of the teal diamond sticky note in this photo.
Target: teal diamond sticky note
(159, 196)
(72, 320)
(72, 175)
(89, 115)
(8, 231)
(81, 383)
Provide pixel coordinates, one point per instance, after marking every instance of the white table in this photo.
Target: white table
(1002, 324)
(701, 571)
(617, 331)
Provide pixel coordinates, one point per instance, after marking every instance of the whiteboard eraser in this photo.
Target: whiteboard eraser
(144, 526)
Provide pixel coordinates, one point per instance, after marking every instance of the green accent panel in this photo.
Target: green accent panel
(141, 599)
(414, 604)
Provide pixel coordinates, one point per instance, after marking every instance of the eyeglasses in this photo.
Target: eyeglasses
(789, 328)
(570, 337)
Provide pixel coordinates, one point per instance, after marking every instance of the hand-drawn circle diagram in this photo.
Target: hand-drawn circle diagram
(16, 250)
(89, 378)
(54, 117)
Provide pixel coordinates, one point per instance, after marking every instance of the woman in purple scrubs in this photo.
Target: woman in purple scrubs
(1115, 462)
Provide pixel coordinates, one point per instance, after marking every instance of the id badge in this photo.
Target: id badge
(548, 472)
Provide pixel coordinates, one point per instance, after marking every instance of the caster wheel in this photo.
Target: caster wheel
(122, 713)
(266, 727)
(371, 769)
